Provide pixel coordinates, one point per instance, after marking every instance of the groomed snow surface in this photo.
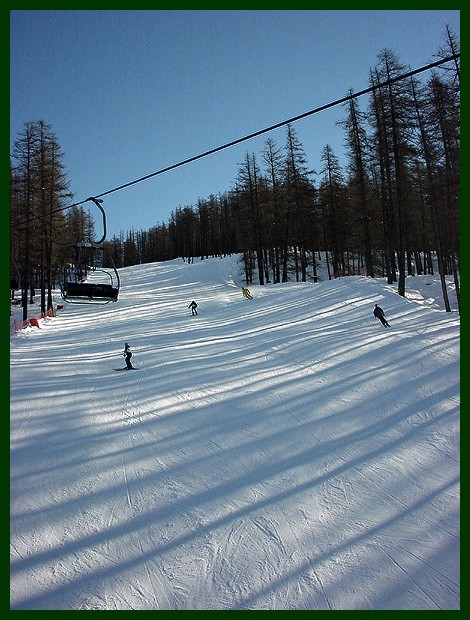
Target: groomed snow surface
(283, 453)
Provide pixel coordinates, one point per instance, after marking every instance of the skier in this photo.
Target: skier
(380, 314)
(128, 354)
(246, 293)
(193, 306)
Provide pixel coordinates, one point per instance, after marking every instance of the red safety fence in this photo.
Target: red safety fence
(33, 321)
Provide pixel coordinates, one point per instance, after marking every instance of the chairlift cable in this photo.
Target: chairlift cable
(349, 97)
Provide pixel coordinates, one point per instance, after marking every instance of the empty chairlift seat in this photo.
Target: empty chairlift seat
(88, 273)
(90, 290)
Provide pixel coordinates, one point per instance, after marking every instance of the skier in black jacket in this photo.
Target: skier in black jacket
(128, 355)
(380, 314)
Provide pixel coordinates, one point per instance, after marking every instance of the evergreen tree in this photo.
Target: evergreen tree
(300, 204)
(277, 220)
(335, 213)
(391, 116)
(250, 212)
(38, 192)
(363, 204)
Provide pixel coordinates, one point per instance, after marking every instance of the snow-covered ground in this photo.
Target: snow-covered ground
(282, 453)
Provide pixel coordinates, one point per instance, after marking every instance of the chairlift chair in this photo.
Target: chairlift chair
(88, 274)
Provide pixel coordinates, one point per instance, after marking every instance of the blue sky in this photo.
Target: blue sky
(128, 92)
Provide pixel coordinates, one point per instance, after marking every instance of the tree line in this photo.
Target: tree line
(388, 212)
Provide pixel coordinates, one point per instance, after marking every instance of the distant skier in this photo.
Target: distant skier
(193, 306)
(380, 314)
(128, 354)
(246, 293)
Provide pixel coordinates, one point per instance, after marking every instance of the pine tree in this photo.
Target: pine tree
(38, 192)
(277, 221)
(250, 212)
(300, 204)
(391, 116)
(363, 204)
(335, 213)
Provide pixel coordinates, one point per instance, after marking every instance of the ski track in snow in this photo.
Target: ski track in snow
(281, 453)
